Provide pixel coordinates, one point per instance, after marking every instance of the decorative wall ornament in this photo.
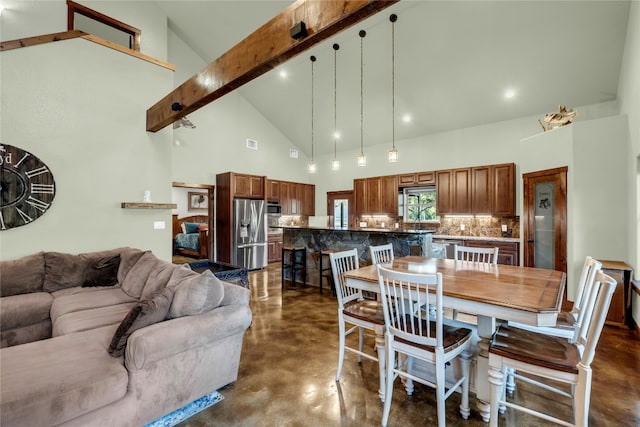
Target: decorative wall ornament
(27, 187)
(563, 117)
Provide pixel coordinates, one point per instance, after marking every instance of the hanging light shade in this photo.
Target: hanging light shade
(335, 163)
(393, 153)
(362, 159)
(312, 164)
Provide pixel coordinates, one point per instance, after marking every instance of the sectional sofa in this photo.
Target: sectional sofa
(112, 338)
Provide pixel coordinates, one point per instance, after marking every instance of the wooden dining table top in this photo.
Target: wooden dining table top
(534, 290)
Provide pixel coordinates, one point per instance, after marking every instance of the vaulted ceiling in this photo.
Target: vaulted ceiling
(454, 63)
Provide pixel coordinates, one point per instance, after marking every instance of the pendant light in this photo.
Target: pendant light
(335, 163)
(393, 153)
(312, 165)
(362, 159)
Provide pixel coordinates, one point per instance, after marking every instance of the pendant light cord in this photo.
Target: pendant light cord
(362, 35)
(393, 81)
(335, 97)
(313, 60)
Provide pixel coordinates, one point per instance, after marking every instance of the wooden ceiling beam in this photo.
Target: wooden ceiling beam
(263, 50)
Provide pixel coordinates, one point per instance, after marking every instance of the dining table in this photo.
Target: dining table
(492, 292)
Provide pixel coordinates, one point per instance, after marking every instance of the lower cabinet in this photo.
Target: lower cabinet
(274, 248)
(508, 252)
(620, 309)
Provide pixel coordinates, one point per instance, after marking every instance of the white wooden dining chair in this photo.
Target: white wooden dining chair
(469, 253)
(381, 254)
(416, 335)
(353, 309)
(552, 358)
(568, 322)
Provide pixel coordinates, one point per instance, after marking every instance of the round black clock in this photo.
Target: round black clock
(27, 187)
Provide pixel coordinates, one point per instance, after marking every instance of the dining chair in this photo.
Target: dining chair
(568, 322)
(414, 335)
(552, 358)
(469, 253)
(381, 254)
(353, 309)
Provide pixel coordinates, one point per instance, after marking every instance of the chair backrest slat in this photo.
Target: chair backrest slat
(381, 254)
(405, 300)
(342, 262)
(470, 253)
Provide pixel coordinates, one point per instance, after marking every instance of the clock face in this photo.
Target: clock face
(27, 187)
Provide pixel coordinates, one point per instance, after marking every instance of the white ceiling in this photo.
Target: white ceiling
(453, 62)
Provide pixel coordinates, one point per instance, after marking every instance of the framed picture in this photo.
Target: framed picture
(197, 201)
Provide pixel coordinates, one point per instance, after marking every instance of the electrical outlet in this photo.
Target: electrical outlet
(461, 227)
(504, 227)
(363, 224)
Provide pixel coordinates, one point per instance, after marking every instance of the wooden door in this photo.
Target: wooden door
(545, 219)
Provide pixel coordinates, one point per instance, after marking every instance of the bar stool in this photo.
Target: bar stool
(294, 259)
(324, 270)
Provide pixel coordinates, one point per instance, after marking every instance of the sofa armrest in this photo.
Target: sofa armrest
(171, 337)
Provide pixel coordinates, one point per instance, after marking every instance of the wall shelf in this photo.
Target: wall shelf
(145, 205)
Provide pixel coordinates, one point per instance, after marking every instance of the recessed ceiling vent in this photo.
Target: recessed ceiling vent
(293, 153)
(252, 144)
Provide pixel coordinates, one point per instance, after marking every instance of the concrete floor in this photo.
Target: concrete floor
(289, 359)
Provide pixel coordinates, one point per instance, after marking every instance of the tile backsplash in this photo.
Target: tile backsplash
(473, 226)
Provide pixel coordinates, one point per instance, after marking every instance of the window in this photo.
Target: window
(420, 204)
(90, 21)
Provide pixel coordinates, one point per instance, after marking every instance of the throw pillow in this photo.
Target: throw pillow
(102, 272)
(191, 227)
(143, 314)
(197, 294)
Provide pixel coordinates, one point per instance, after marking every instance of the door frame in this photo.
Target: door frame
(338, 195)
(559, 177)
(211, 191)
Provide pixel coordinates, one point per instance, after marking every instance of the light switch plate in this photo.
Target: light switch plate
(158, 225)
(504, 227)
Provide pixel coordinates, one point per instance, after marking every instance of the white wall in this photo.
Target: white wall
(81, 108)
(629, 95)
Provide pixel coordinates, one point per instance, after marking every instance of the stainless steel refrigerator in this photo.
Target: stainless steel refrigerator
(250, 233)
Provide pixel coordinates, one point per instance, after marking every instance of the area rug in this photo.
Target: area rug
(187, 411)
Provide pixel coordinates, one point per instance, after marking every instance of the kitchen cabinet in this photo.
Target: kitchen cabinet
(274, 248)
(297, 198)
(416, 179)
(454, 191)
(504, 189)
(481, 202)
(508, 252)
(309, 200)
(376, 196)
(620, 309)
(273, 190)
(250, 186)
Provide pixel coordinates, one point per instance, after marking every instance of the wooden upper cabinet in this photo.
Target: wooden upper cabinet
(389, 195)
(461, 191)
(444, 184)
(285, 198)
(309, 201)
(374, 199)
(297, 198)
(273, 190)
(360, 195)
(481, 190)
(251, 186)
(504, 189)
(416, 179)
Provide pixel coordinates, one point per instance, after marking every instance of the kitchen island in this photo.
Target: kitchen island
(317, 239)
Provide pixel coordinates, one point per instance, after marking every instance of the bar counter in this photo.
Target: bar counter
(316, 239)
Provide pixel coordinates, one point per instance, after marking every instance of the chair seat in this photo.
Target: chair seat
(565, 320)
(536, 349)
(367, 310)
(452, 336)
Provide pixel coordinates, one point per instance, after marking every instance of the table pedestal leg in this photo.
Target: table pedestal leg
(486, 328)
(379, 331)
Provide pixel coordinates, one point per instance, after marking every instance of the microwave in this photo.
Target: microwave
(274, 209)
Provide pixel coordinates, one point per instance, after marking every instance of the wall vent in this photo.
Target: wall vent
(252, 144)
(293, 153)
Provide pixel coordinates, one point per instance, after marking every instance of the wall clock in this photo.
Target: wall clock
(27, 187)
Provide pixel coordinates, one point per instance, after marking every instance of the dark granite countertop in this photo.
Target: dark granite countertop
(497, 239)
(363, 230)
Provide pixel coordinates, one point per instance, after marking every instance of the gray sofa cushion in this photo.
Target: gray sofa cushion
(67, 302)
(196, 295)
(90, 319)
(25, 334)
(143, 314)
(41, 388)
(101, 271)
(23, 310)
(22, 276)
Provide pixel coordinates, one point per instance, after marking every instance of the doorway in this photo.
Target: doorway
(209, 212)
(545, 219)
(340, 209)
